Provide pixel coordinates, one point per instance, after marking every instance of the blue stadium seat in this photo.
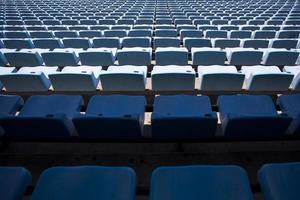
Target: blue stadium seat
(290, 27)
(274, 22)
(112, 117)
(220, 78)
(34, 79)
(173, 78)
(249, 28)
(99, 27)
(283, 43)
(292, 22)
(48, 43)
(190, 34)
(107, 42)
(140, 33)
(187, 27)
(280, 180)
(171, 56)
(18, 43)
(60, 57)
(189, 43)
(13, 182)
(290, 105)
(294, 70)
(136, 42)
(43, 117)
(79, 18)
(41, 34)
(115, 33)
(24, 57)
(255, 43)
(66, 34)
(238, 22)
(5, 70)
(180, 21)
(134, 56)
(288, 34)
(107, 22)
(82, 43)
(165, 33)
(143, 27)
(120, 28)
(88, 22)
(183, 117)
(10, 104)
(208, 56)
(226, 43)
(58, 28)
(79, 78)
(69, 22)
(14, 22)
(240, 34)
(90, 33)
(32, 22)
(16, 34)
(51, 22)
(243, 56)
(86, 182)
(97, 17)
(78, 28)
(125, 22)
(264, 34)
(215, 34)
(266, 78)
(98, 56)
(16, 31)
(226, 182)
(124, 78)
(201, 22)
(166, 42)
(229, 28)
(219, 22)
(166, 26)
(279, 57)
(251, 117)
(163, 21)
(144, 21)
